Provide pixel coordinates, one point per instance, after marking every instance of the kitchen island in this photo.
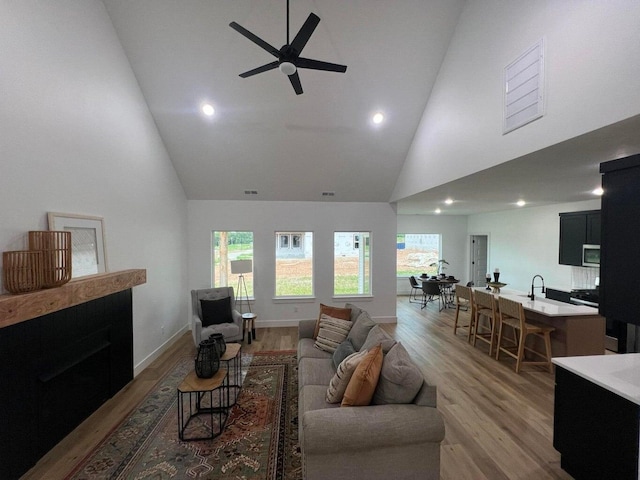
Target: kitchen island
(596, 415)
(579, 330)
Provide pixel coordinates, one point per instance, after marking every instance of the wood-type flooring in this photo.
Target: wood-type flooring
(499, 425)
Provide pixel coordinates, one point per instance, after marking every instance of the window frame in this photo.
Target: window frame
(294, 252)
(360, 242)
(232, 278)
(433, 258)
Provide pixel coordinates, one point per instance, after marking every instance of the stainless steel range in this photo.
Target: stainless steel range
(585, 296)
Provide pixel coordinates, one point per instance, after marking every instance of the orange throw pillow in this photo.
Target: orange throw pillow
(335, 312)
(364, 380)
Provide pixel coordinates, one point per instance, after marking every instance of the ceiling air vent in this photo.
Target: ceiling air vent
(523, 88)
(328, 194)
(250, 192)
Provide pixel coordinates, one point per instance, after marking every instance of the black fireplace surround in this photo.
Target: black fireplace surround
(57, 369)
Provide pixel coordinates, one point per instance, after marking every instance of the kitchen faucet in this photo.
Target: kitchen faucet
(532, 296)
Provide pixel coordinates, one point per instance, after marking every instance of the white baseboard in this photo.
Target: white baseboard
(158, 351)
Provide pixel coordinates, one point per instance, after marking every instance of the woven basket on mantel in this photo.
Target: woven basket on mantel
(56, 255)
(22, 270)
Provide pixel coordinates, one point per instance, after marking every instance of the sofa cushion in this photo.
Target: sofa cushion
(400, 379)
(361, 329)
(363, 382)
(307, 349)
(345, 349)
(333, 331)
(216, 311)
(315, 371)
(335, 312)
(378, 336)
(340, 380)
(355, 311)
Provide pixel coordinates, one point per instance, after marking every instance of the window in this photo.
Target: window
(294, 264)
(229, 246)
(416, 252)
(352, 263)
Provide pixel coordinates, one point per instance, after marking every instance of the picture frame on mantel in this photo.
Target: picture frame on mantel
(88, 251)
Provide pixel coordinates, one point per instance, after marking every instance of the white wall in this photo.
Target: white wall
(525, 242)
(323, 219)
(454, 242)
(592, 80)
(77, 137)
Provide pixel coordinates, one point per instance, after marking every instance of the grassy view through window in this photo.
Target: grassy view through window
(416, 252)
(294, 264)
(229, 246)
(352, 263)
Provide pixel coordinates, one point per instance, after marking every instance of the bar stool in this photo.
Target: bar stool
(512, 315)
(464, 301)
(485, 305)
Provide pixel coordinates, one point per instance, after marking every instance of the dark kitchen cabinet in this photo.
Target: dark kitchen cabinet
(593, 228)
(577, 229)
(595, 430)
(620, 255)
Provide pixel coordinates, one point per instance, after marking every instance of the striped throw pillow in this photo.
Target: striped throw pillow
(332, 332)
(339, 382)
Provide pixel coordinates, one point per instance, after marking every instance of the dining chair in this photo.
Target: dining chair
(464, 301)
(512, 315)
(431, 292)
(415, 288)
(484, 305)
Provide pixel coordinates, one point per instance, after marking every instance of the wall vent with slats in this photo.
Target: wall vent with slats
(523, 88)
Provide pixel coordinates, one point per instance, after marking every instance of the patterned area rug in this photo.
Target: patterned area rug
(259, 441)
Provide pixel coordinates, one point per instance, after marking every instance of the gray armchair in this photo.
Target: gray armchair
(232, 332)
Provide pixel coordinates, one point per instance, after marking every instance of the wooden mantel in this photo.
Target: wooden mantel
(18, 308)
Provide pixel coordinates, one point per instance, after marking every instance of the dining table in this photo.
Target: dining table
(445, 285)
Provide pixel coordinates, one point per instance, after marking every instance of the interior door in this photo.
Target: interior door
(479, 260)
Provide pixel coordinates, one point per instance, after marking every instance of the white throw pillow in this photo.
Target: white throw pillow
(339, 382)
(332, 332)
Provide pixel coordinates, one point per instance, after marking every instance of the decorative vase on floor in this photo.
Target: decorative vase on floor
(207, 361)
(221, 345)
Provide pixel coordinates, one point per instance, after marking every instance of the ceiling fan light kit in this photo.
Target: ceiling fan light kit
(289, 59)
(288, 68)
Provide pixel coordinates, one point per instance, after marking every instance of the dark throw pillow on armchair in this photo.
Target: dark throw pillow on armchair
(216, 311)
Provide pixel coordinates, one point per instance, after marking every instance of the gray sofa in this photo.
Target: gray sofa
(381, 441)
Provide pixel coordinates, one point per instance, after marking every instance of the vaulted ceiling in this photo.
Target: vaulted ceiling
(266, 139)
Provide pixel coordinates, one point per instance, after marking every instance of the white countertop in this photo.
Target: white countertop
(619, 374)
(546, 306)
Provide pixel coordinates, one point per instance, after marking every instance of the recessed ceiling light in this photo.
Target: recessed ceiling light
(208, 110)
(377, 118)
(448, 201)
(521, 203)
(438, 210)
(598, 191)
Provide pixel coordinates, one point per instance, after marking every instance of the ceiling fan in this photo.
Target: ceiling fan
(289, 59)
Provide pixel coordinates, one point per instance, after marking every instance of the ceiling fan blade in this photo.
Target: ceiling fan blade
(255, 39)
(318, 65)
(305, 33)
(295, 82)
(263, 68)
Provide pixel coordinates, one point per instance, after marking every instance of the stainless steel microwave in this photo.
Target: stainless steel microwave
(590, 255)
